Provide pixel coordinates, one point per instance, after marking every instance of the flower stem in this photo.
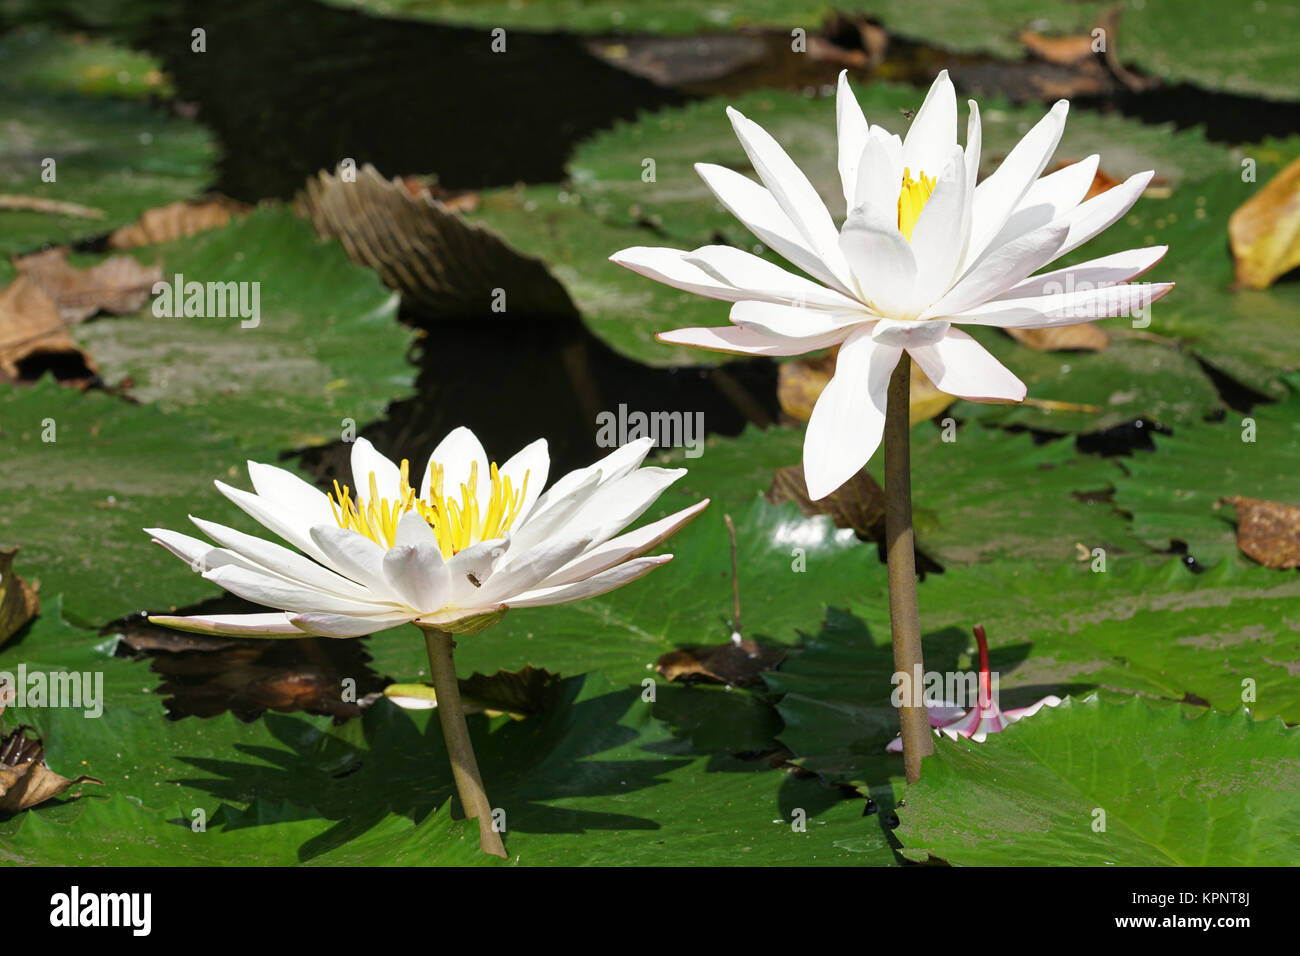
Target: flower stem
(455, 732)
(904, 617)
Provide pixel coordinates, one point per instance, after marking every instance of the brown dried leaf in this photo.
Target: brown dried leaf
(177, 220)
(1265, 231)
(25, 779)
(33, 337)
(118, 285)
(1065, 51)
(425, 250)
(1268, 531)
(18, 600)
(859, 503)
(740, 665)
(800, 382)
(1084, 337)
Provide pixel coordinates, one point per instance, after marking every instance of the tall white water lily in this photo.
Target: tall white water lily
(922, 251)
(453, 552)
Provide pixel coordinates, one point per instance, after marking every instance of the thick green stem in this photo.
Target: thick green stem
(455, 732)
(904, 617)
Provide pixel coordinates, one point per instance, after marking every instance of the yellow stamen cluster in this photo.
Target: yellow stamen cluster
(457, 522)
(912, 199)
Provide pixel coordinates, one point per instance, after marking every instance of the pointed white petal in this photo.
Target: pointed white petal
(788, 322)
(290, 527)
(881, 259)
(1049, 199)
(298, 502)
(280, 560)
(1000, 270)
(320, 624)
(851, 131)
(849, 417)
(1070, 308)
(760, 279)
(286, 595)
(939, 238)
(880, 172)
(625, 546)
(418, 576)
(933, 132)
(670, 267)
(528, 470)
(959, 365)
(590, 587)
(1000, 194)
(763, 216)
(356, 557)
(366, 461)
(230, 625)
(1103, 211)
(729, 338)
(1094, 274)
(458, 454)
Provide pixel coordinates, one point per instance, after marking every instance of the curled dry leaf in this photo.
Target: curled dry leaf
(1265, 231)
(18, 600)
(425, 250)
(118, 285)
(1268, 531)
(739, 664)
(800, 382)
(25, 779)
(33, 337)
(859, 503)
(516, 694)
(177, 220)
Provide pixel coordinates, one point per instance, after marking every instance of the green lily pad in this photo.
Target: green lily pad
(111, 154)
(292, 376)
(1172, 493)
(1215, 790)
(1225, 638)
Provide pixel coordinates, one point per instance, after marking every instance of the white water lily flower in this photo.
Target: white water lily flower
(455, 552)
(922, 251)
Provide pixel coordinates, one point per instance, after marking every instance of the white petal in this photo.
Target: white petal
(356, 556)
(418, 576)
(939, 238)
(881, 259)
(789, 322)
(366, 461)
(961, 366)
(230, 625)
(344, 625)
(1001, 193)
(613, 506)
(974, 144)
(280, 560)
(908, 333)
(670, 267)
(590, 587)
(760, 279)
(459, 454)
(933, 132)
(1049, 199)
(1094, 274)
(729, 338)
(1000, 270)
(763, 216)
(278, 593)
(523, 569)
(1067, 309)
(414, 531)
(625, 546)
(1103, 211)
(880, 173)
(791, 189)
(469, 570)
(849, 417)
(297, 501)
(851, 131)
(528, 470)
(292, 527)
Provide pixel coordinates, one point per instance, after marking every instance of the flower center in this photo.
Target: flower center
(456, 520)
(911, 200)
